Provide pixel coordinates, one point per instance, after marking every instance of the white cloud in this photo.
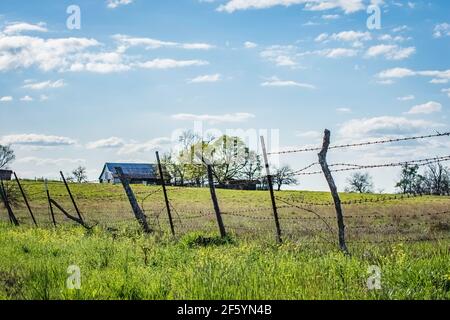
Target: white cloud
(126, 42)
(282, 56)
(439, 81)
(447, 91)
(6, 99)
(113, 4)
(330, 16)
(406, 98)
(206, 78)
(26, 99)
(223, 118)
(112, 142)
(348, 6)
(250, 45)
(36, 140)
(276, 82)
(45, 85)
(339, 53)
(390, 52)
(351, 36)
(427, 108)
(382, 126)
(148, 146)
(170, 63)
(441, 30)
(19, 27)
(397, 73)
(322, 37)
(344, 110)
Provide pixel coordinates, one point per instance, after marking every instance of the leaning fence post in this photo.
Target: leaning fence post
(212, 190)
(71, 197)
(333, 189)
(8, 208)
(166, 198)
(50, 202)
(25, 199)
(272, 194)
(134, 204)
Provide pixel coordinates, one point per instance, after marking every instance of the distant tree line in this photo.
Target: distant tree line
(231, 159)
(434, 179)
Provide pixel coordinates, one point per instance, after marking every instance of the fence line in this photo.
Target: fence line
(361, 144)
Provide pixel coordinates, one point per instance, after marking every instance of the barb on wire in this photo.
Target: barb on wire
(422, 162)
(361, 144)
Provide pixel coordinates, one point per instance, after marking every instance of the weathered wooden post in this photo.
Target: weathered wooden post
(4, 196)
(272, 194)
(71, 197)
(166, 198)
(333, 189)
(134, 205)
(25, 199)
(212, 190)
(50, 202)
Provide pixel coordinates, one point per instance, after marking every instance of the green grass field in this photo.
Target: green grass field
(407, 239)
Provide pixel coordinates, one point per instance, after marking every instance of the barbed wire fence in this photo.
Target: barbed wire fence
(287, 216)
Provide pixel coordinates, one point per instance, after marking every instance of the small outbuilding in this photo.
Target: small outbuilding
(5, 175)
(138, 173)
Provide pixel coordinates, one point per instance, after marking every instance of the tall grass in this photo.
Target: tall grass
(128, 265)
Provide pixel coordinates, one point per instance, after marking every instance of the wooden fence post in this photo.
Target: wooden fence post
(166, 198)
(4, 196)
(272, 194)
(333, 190)
(25, 199)
(50, 202)
(212, 190)
(134, 205)
(71, 197)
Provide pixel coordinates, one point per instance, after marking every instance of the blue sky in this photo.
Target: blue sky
(137, 71)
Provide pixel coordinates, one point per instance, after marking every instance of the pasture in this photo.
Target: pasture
(407, 238)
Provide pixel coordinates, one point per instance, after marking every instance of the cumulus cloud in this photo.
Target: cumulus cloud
(113, 4)
(441, 30)
(382, 126)
(147, 146)
(20, 27)
(447, 91)
(250, 45)
(206, 78)
(223, 118)
(37, 140)
(26, 99)
(45, 85)
(109, 143)
(276, 82)
(398, 73)
(426, 108)
(348, 6)
(390, 52)
(406, 98)
(170, 63)
(6, 99)
(126, 42)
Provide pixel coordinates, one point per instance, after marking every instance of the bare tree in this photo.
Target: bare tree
(360, 182)
(437, 179)
(284, 176)
(6, 156)
(79, 174)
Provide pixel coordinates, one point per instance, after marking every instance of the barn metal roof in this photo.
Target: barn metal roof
(133, 170)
